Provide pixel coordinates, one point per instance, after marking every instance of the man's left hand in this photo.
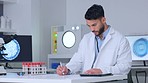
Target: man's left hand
(93, 71)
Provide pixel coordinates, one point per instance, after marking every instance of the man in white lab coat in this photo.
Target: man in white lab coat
(104, 50)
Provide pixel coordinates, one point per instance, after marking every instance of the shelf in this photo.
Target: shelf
(8, 30)
(60, 56)
(8, 1)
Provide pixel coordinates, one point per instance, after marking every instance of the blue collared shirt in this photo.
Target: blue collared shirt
(100, 42)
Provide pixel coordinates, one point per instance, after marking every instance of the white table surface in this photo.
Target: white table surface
(54, 78)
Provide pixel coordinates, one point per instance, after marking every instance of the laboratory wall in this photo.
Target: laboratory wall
(25, 16)
(35, 17)
(53, 13)
(127, 16)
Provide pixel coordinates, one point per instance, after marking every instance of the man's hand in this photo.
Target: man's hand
(62, 70)
(93, 71)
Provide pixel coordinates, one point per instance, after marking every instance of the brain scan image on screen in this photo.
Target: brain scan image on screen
(139, 47)
(12, 50)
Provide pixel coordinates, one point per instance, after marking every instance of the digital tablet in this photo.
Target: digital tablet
(93, 75)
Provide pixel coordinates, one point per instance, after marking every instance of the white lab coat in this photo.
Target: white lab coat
(114, 55)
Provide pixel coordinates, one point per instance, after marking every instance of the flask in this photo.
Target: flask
(3, 22)
(8, 23)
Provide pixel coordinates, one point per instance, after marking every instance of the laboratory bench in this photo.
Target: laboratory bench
(54, 78)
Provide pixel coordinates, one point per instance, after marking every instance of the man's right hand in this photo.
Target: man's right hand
(62, 70)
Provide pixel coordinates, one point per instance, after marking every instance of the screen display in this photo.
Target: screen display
(17, 49)
(139, 46)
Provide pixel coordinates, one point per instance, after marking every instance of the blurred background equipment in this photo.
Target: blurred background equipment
(2, 46)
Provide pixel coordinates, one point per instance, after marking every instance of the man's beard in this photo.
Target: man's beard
(100, 31)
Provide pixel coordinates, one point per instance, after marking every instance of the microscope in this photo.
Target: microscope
(2, 46)
(2, 70)
(1, 42)
(4, 40)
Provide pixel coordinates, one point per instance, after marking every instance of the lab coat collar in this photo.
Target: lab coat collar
(108, 37)
(92, 47)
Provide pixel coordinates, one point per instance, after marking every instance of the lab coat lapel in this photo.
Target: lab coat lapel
(92, 50)
(108, 37)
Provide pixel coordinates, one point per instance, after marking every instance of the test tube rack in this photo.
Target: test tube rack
(34, 68)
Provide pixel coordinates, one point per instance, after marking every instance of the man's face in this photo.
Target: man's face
(96, 26)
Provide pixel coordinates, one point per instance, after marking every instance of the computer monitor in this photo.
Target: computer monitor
(18, 49)
(139, 47)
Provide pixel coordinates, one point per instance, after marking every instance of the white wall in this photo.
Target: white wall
(25, 15)
(53, 12)
(35, 17)
(20, 13)
(35, 25)
(127, 16)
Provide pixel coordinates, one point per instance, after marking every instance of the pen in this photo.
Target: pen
(63, 69)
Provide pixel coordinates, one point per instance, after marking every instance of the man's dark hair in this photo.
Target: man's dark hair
(94, 12)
